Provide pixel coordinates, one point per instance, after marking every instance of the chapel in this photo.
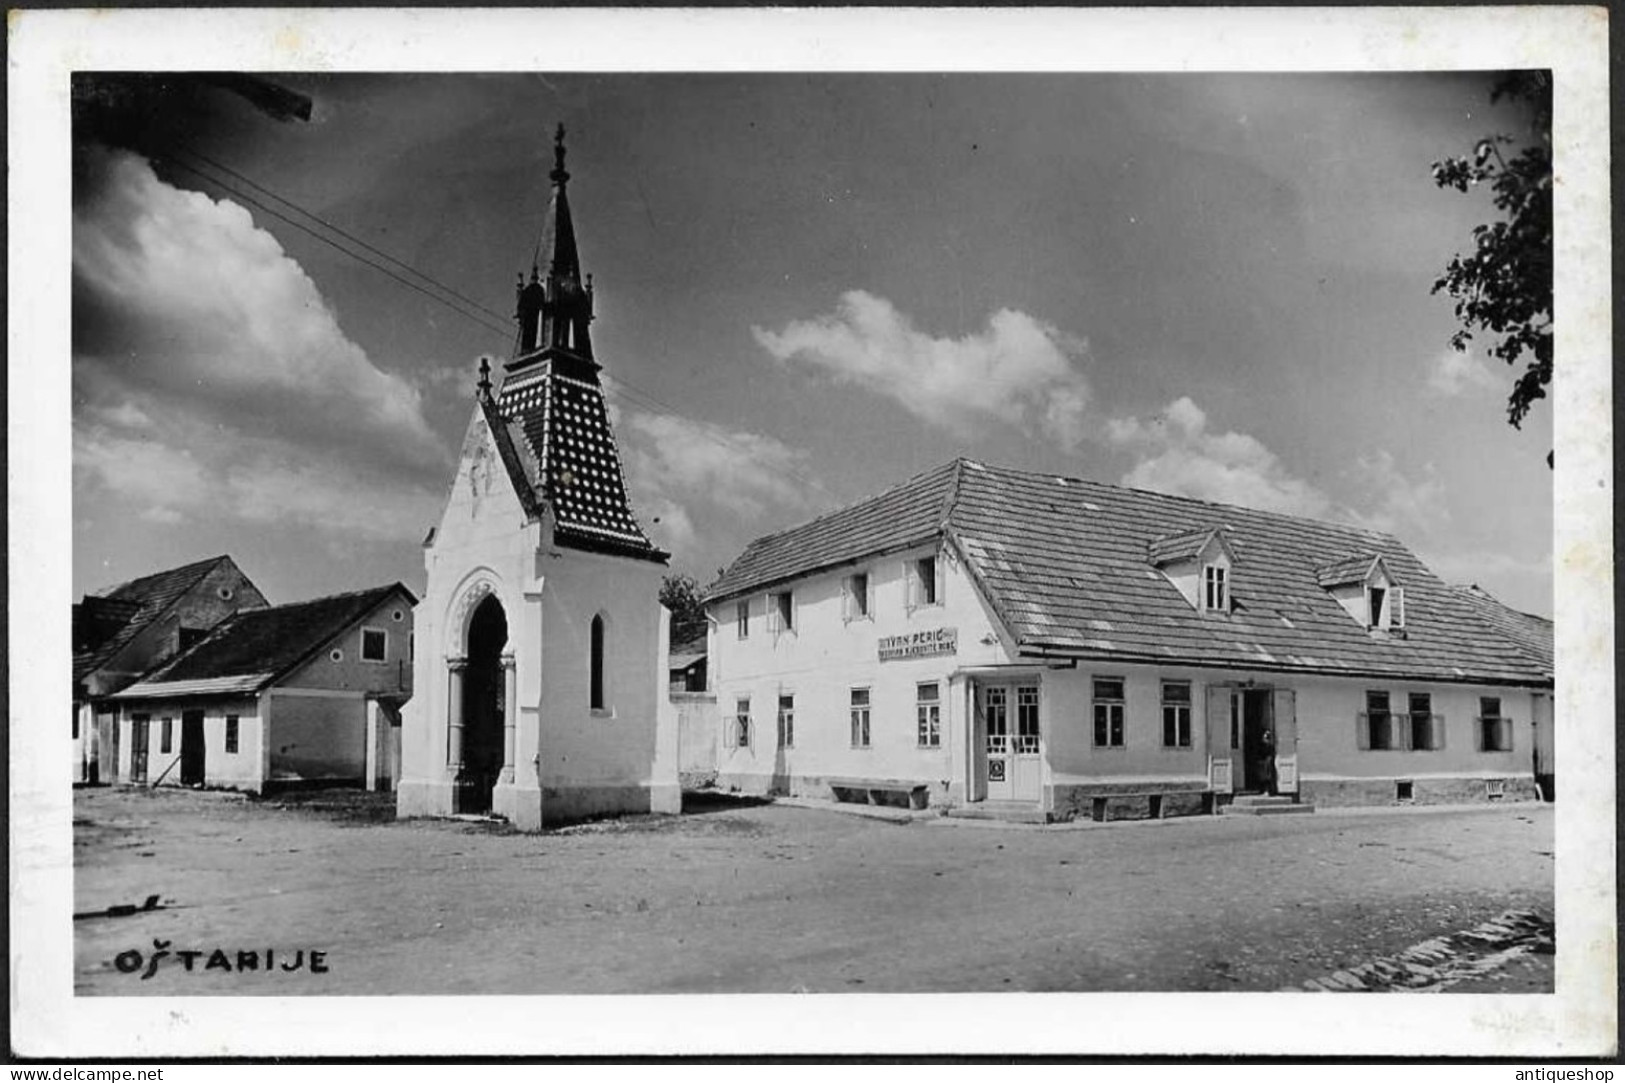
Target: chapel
(541, 644)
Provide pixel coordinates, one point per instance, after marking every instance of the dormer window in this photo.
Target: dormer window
(1215, 590)
(1362, 586)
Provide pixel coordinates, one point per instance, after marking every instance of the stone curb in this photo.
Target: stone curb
(1440, 962)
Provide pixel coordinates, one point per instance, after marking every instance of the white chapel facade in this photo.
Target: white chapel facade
(541, 645)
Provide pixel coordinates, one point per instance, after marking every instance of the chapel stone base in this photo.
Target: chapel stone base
(425, 797)
(520, 805)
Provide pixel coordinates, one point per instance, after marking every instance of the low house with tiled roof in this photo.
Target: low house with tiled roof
(541, 675)
(298, 694)
(1052, 646)
(124, 631)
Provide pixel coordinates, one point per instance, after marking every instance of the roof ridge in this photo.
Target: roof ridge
(199, 567)
(1194, 500)
(858, 503)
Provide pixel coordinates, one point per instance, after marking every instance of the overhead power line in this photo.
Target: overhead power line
(438, 291)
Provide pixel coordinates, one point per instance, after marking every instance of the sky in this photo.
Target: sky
(809, 287)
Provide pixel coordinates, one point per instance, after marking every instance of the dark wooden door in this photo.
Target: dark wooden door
(140, 726)
(192, 750)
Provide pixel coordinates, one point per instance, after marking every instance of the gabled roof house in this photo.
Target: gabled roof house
(998, 635)
(290, 694)
(126, 630)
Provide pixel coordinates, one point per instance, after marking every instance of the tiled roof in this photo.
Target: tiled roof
(99, 625)
(146, 598)
(560, 419)
(905, 515)
(263, 644)
(1171, 548)
(1352, 569)
(207, 686)
(1533, 634)
(1064, 564)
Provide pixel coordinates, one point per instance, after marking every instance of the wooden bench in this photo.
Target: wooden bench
(1154, 798)
(877, 791)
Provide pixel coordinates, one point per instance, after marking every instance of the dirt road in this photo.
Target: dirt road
(775, 899)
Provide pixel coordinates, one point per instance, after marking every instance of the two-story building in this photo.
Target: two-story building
(1064, 646)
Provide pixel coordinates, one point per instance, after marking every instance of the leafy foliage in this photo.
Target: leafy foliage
(681, 594)
(1503, 286)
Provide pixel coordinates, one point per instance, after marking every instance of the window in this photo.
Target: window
(1377, 723)
(1235, 722)
(374, 645)
(231, 733)
(1396, 608)
(75, 721)
(596, 664)
(742, 619)
(1427, 728)
(166, 735)
(860, 718)
(787, 721)
(1027, 720)
(336, 655)
(855, 596)
(741, 726)
(397, 615)
(411, 646)
(1378, 597)
(1176, 714)
(1108, 712)
(781, 612)
(1214, 595)
(1494, 732)
(928, 714)
(923, 582)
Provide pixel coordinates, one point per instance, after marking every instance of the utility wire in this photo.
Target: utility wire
(621, 389)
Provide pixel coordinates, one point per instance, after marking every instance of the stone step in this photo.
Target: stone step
(1238, 809)
(1013, 813)
(1260, 799)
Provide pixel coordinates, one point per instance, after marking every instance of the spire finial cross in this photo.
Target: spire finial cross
(558, 176)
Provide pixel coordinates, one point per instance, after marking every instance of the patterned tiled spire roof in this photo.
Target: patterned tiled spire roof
(550, 416)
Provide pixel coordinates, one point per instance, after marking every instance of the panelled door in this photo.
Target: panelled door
(994, 703)
(1284, 707)
(1222, 720)
(193, 753)
(1011, 733)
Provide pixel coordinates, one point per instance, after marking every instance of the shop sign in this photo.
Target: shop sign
(919, 644)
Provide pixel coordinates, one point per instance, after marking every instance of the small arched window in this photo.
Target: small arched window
(596, 651)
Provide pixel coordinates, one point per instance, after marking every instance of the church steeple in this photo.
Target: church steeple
(554, 310)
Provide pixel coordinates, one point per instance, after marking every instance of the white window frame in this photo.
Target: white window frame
(384, 659)
(776, 622)
(742, 619)
(1181, 717)
(1391, 732)
(1215, 581)
(1504, 727)
(916, 582)
(861, 713)
(1114, 706)
(741, 723)
(928, 715)
(1375, 617)
(786, 719)
(233, 742)
(854, 607)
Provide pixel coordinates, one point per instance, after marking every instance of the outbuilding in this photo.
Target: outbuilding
(987, 638)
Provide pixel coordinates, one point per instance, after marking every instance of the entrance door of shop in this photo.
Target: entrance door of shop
(1012, 764)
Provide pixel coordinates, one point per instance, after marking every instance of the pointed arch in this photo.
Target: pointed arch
(597, 678)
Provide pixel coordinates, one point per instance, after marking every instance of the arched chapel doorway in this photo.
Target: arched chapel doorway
(483, 706)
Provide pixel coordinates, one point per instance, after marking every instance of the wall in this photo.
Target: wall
(824, 658)
(697, 728)
(354, 674)
(239, 770)
(317, 737)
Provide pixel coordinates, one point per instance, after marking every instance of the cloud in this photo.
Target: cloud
(1018, 370)
(184, 298)
(1180, 456)
(1454, 373)
(744, 473)
(212, 380)
(1398, 504)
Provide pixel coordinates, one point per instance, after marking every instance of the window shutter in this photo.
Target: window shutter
(846, 598)
(1438, 731)
(1397, 617)
(869, 595)
(1478, 734)
(1506, 735)
(1362, 731)
(1405, 731)
(939, 566)
(774, 625)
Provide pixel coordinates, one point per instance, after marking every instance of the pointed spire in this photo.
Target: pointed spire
(555, 308)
